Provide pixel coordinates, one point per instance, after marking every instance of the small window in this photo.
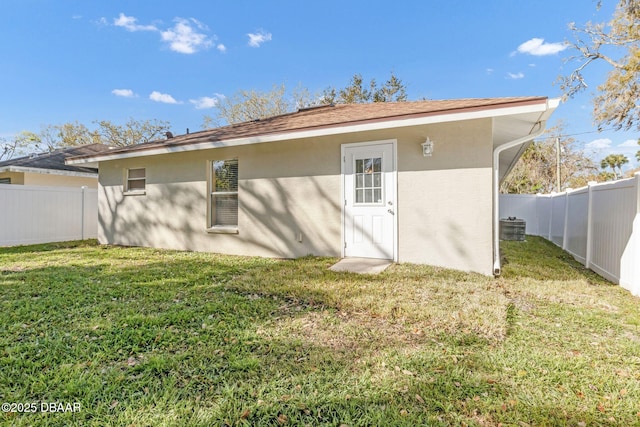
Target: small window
(5, 180)
(223, 196)
(136, 180)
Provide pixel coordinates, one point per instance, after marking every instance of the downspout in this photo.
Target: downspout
(496, 191)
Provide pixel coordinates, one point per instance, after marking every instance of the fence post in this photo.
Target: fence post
(82, 211)
(587, 258)
(566, 219)
(550, 216)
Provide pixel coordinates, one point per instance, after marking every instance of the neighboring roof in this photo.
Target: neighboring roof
(329, 119)
(54, 160)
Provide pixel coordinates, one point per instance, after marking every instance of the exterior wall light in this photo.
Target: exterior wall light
(427, 148)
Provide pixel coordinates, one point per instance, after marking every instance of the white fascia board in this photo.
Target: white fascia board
(24, 169)
(324, 131)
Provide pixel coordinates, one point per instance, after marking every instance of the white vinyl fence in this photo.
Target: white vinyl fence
(35, 214)
(599, 225)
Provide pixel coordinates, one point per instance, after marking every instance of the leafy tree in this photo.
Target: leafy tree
(248, 105)
(535, 172)
(615, 162)
(66, 135)
(131, 133)
(357, 92)
(618, 44)
(393, 90)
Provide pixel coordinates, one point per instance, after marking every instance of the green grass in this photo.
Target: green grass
(145, 337)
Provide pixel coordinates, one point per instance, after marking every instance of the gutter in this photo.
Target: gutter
(496, 190)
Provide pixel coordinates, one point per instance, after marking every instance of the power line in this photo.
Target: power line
(562, 135)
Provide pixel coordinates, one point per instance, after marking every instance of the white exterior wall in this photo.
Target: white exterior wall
(38, 214)
(293, 188)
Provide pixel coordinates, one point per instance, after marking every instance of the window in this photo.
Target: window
(136, 180)
(5, 180)
(223, 196)
(369, 180)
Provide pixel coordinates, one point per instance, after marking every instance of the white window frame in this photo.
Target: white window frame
(211, 193)
(128, 179)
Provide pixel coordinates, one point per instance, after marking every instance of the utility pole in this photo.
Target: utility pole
(557, 165)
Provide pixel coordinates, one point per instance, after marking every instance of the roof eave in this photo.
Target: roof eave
(25, 169)
(370, 125)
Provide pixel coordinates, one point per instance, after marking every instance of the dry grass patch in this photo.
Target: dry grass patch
(405, 299)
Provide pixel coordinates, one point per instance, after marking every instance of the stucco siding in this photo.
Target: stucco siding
(445, 201)
(17, 178)
(59, 180)
(282, 213)
(290, 201)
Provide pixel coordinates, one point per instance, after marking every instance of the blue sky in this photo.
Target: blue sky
(79, 60)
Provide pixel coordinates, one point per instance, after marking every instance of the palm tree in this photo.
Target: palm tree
(615, 162)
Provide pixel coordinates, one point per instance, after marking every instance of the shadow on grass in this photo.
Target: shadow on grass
(151, 337)
(47, 247)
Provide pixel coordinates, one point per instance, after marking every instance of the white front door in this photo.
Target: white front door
(370, 196)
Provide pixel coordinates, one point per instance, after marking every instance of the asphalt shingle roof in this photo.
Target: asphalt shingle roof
(55, 160)
(333, 116)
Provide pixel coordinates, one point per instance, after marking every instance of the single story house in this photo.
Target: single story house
(411, 182)
(50, 168)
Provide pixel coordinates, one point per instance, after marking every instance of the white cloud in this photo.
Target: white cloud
(489, 70)
(185, 38)
(599, 144)
(256, 39)
(538, 47)
(125, 93)
(515, 76)
(206, 102)
(162, 97)
(630, 143)
(130, 24)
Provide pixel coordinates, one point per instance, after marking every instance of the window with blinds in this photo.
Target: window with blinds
(224, 193)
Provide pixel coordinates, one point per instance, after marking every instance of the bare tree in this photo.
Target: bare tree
(18, 145)
(618, 44)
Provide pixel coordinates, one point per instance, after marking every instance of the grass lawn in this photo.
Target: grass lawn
(145, 337)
